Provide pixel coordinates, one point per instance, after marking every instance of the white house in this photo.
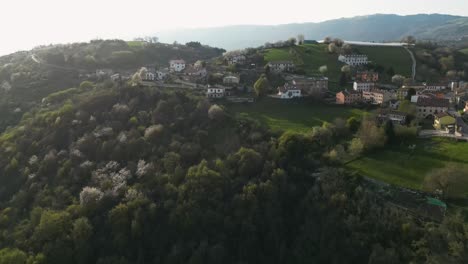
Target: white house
(149, 75)
(435, 87)
(177, 65)
(116, 77)
(314, 86)
(104, 72)
(354, 60)
(193, 70)
(162, 74)
(289, 92)
(396, 117)
(231, 80)
(215, 92)
(280, 66)
(363, 86)
(236, 59)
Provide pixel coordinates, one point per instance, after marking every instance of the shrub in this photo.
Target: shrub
(216, 112)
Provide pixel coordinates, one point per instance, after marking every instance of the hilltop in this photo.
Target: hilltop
(379, 27)
(309, 57)
(27, 77)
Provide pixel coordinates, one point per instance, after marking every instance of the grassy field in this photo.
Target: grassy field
(310, 57)
(135, 44)
(279, 54)
(404, 167)
(465, 51)
(295, 115)
(396, 57)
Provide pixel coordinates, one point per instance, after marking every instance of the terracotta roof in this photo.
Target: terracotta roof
(374, 91)
(433, 102)
(346, 92)
(398, 113)
(442, 114)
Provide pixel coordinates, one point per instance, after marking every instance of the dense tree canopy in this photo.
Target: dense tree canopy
(139, 175)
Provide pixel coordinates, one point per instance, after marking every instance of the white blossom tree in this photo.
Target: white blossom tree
(90, 195)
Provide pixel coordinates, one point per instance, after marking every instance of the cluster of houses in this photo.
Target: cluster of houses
(295, 86)
(432, 101)
(299, 86)
(365, 90)
(175, 66)
(235, 57)
(372, 96)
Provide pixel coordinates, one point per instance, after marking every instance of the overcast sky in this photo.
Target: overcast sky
(28, 23)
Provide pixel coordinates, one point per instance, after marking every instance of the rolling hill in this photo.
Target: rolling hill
(379, 27)
(309, 57)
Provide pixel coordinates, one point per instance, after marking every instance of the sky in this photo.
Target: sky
(25, 24)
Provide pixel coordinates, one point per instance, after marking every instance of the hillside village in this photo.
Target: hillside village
(318, 77)
(191, 138)
(256, 132)
(436, 108)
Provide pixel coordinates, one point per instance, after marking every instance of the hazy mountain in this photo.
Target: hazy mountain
(365, 28)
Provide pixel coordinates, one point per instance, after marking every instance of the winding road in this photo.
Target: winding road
(437, 133)
(414, 62)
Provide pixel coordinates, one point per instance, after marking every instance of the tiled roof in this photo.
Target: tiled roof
(346, 92)
(442, 114)
(433, 102)
(398, 113)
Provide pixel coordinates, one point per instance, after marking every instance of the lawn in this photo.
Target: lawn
(298, 115)
(407, 168)
(310, 57)
(396, 57)
(278, 55)
(465, 51)
(135, 44)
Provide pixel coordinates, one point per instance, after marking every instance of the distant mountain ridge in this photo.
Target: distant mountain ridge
(379, 27)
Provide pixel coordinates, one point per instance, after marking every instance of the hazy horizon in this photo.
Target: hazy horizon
(52, 21)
